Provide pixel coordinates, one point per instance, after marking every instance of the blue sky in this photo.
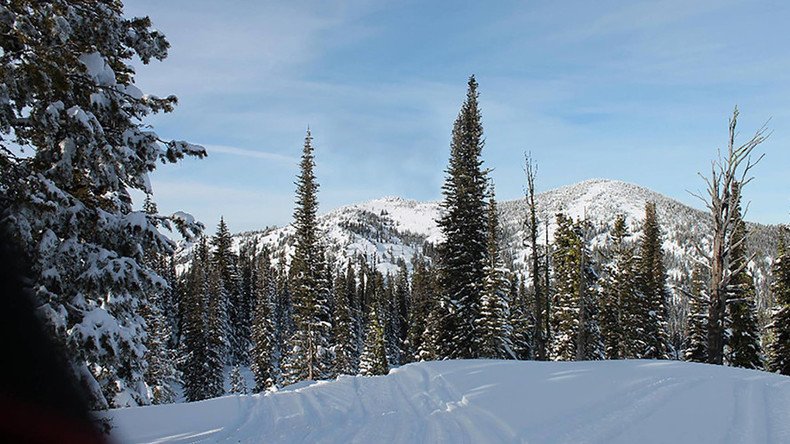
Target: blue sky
(635, 91)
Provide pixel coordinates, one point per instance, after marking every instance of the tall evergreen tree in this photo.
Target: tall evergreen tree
(565, 319)
(402, 301)
(423, 290)
(69, 98)
(620, 328)
(265, 365)
(577, 334)
(698, 317)
(216, 328)
(521, 319)
(308, 356)
(345, 348)
(160, 374)
(493, 322)
(742, 343)
(195, 340)
(373, 360)
(238, 385)
(779, 328)
(463, 224)
(234, 325)
(652, 284)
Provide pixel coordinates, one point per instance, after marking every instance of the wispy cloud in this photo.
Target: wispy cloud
(236, 151)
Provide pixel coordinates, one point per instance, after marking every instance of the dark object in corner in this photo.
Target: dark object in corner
(39, 398)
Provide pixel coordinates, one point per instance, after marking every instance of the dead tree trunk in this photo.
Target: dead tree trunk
(726, 172)
(532, 224)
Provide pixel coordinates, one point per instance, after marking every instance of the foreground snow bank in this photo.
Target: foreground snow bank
(491, 401)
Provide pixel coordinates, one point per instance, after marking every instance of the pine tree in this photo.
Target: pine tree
(493, 322)
(521, 319)
(402, 302)
(160, 374)
(216, 330)
(373, 360)
(742, 343)
(565, 319)
(308, 355)
(577, 333)
(463, 224)
(779, 328)
(620, 329)
(345, 348)
(195, 341)
(698, 317)
(264, 329)
(423, 291)
(653, 287)
(233, 322)
(248, 280)
(238, 386)
(388, 314)
(67, 82)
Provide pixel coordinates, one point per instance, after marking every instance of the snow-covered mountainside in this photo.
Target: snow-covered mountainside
(392, 229)
(490, 401)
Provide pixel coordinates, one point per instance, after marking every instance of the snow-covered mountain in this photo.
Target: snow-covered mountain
(489, 401)
(391, 229)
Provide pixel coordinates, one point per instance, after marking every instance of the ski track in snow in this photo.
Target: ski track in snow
(490, 401)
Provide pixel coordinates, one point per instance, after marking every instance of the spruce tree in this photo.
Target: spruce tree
(652, 285)
(160, 374)
(308, 355)
(195, 340)
(388, 315)
(698, 317)
(373, 360)
(216, 328)
(402, 301)
(565, 319)
(742, 343)
(463, 224)
(577, 334)
(521, 319)
(238, 386)
(423, 291)
(620, 328)
(493, 322)
(345, 348)
(69, 99)
(233, 322)
(779, 328)
(265, 366)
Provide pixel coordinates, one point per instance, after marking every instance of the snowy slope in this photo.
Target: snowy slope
(491, 401)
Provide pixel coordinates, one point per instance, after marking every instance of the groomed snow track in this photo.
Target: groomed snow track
(491, 401)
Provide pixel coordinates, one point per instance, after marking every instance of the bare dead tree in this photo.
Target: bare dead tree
(730, 172)
(539, 337)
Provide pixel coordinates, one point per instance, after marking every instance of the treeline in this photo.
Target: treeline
(305, 315)
(74, 144)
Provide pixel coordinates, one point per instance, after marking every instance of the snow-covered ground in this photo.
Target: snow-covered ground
(491, 401)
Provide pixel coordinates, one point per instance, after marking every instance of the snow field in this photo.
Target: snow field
(479, 401)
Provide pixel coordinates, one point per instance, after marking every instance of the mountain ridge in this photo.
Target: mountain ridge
(392, 230)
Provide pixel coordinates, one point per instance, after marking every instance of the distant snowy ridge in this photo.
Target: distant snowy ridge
(485, 401)
(393, 229)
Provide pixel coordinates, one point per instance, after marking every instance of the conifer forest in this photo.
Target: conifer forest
(154, 308)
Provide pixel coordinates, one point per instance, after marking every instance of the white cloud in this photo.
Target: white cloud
(236, 151)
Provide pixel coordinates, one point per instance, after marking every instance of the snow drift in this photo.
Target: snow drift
(490, 401)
